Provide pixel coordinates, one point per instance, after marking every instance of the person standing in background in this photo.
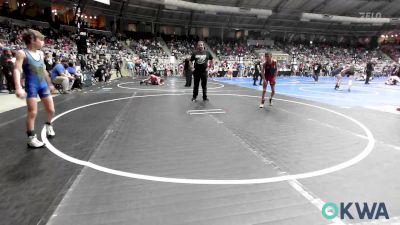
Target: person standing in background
(336, 72)
(369, 69)
(257, 73)
(317, 70)
(83, 63)
(188, 73)
(118, 68)
(48, 63)
(241, 69)
(7, 67)
(200, 58)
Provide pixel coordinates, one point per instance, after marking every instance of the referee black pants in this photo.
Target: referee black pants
(200, 75)
(188, 75)
(316, 76)
(255, 78)
(369, 73)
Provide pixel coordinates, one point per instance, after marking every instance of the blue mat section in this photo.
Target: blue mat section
(375, 95)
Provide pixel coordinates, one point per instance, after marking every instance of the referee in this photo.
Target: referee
(369, 69)
(200, 58)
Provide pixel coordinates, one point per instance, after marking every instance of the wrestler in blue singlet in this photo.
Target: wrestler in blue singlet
(35, 81)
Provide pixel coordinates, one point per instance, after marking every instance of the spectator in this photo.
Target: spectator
(78, 78)
(7, 69)
(100, 73)
(83, 63)
(369, 69)
(48, 63)
(59, 75)
(118, 68)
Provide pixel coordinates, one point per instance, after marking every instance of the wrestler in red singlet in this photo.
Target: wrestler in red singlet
(269, 73)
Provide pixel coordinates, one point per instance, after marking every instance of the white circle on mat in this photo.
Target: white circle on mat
(367, 150)
(332, 91)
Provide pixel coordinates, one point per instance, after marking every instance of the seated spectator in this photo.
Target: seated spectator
(78, 78)
(59, 75)
(102, 73)
(394, 78)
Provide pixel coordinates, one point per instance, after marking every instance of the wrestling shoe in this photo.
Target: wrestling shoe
(33, 142)
(262, 104)
(49, 130)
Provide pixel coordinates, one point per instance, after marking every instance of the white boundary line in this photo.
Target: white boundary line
(317, 202)
(336, 97)
(204, 110)
(204, 113)
(367, 150)
(306, 89)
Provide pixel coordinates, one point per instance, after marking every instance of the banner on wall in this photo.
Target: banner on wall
(267, 42)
